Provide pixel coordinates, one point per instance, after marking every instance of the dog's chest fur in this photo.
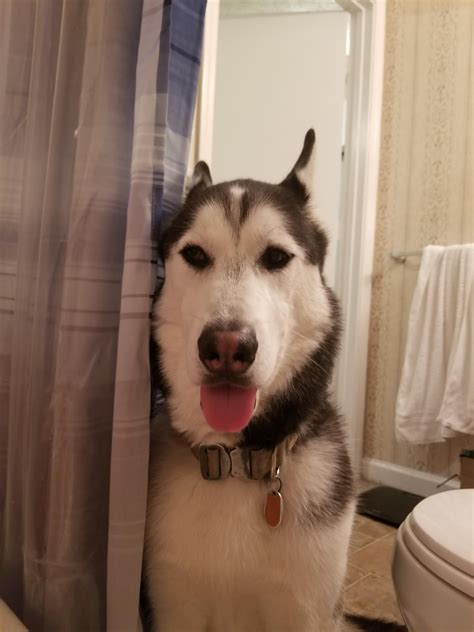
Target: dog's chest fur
(212, 558)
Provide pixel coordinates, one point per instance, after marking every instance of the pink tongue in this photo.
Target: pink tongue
(227, 408)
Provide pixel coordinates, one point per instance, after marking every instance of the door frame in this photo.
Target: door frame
(358, 209)
(358, 195)
(203, 124)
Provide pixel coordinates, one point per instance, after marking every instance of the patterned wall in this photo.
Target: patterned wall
(424, 196)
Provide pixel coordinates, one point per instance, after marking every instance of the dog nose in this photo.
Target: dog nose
(227, 351)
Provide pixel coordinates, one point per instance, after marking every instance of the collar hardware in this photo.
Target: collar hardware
(217, 461)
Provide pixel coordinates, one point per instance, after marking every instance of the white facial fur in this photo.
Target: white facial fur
(288, 309)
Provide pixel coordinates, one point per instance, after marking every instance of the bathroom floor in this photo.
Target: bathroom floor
(369, 588)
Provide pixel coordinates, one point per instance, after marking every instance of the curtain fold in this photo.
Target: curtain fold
(95, 111)
(167, 79)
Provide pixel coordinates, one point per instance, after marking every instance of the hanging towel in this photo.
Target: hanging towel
(436, 394)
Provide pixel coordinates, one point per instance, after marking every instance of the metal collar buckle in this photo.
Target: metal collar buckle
(215, 462)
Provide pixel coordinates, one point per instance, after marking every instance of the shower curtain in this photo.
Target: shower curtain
(96, 104)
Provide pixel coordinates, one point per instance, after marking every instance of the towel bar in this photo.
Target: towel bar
(401, 255)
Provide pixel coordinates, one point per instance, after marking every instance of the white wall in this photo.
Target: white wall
(278, 75)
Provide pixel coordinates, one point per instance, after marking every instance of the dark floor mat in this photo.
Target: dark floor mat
(364, 624)
(387, 504)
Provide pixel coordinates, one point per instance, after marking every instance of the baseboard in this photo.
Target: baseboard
(405, 478)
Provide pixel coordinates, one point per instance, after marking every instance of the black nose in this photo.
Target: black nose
(227, 350)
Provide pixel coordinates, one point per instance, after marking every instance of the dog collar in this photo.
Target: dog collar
(218, 461)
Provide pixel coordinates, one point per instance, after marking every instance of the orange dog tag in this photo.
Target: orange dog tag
(274, 508)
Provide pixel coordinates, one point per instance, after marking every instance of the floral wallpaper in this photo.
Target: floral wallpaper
(424, 196)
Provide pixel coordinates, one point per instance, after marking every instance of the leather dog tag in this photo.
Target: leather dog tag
(273, 508)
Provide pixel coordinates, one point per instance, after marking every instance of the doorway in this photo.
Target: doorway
(246, 126)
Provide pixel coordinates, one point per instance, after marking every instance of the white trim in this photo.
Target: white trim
(358, 205)
(232, 8)
(405, 478)
(205, 117)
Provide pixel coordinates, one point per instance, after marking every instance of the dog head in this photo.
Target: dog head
(244, 304)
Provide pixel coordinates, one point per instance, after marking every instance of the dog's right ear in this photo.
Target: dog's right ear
(201, 178)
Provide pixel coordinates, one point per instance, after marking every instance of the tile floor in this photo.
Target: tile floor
(369, 589)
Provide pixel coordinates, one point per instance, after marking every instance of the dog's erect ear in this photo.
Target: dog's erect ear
(300, 178)
(201, 178)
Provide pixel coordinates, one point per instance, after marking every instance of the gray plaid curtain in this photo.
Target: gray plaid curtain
(96, 102)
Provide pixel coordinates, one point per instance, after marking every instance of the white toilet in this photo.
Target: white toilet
(433, 565)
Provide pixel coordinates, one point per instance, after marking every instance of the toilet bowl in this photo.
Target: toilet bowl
(433, 565)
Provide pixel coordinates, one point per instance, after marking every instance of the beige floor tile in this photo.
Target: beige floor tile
(359, 539)
(353, 575)
(372, 527)
(376, 557)
(372, 597)
(352, 549)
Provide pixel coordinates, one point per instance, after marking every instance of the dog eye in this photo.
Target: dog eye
(275, 258)
(196, 257)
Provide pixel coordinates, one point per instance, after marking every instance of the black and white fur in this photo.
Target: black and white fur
(212, 564)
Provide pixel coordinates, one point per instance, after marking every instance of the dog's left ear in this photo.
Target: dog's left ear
(300, 178)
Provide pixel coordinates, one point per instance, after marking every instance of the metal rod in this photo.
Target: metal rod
(401, 255)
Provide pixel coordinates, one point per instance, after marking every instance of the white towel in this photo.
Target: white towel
(436, 394)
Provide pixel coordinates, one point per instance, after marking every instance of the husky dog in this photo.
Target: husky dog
(251, 497)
